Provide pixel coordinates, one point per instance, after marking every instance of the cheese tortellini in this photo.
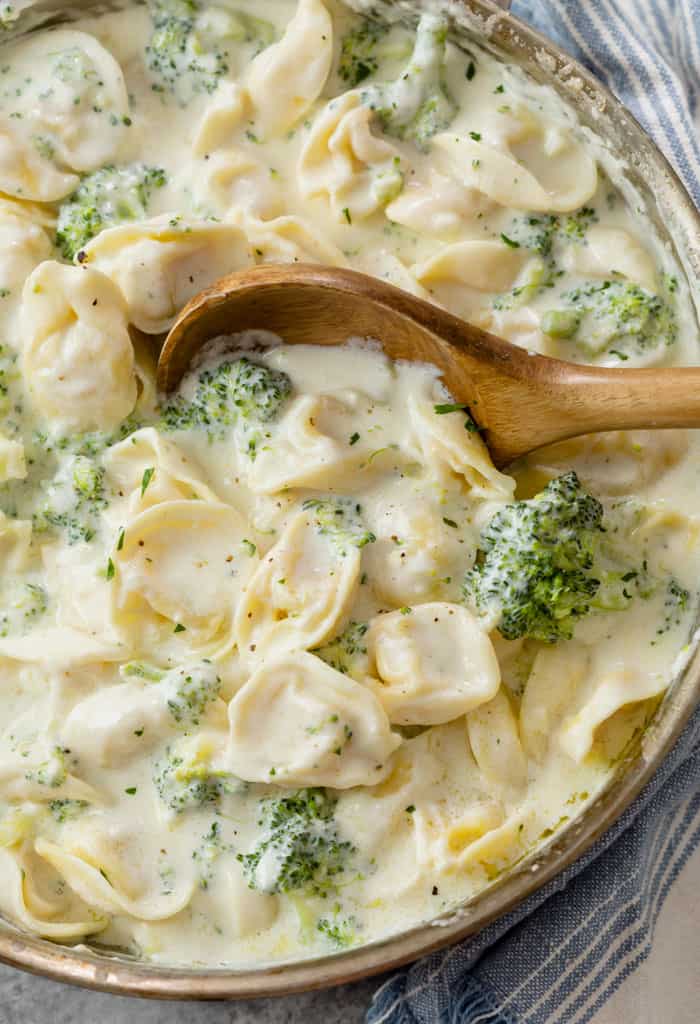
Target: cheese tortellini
(286, 78)
(77, 116)
(299, 722)
(310, 448)
(172, 475)
(78, 354)
(33, 897)
(159, 265)
(358, 171)
(454, 449)
(434, 663)
(301, 591)
(565, 177)
(25, 243)
(182, 563)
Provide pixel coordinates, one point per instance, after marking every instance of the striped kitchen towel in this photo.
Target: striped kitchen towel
(561, 955)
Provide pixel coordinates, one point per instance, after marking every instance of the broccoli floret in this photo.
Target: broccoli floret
(185, 52)
(76, 499)
(560, 323)
(52, 772)
(237, 392)
(542, 234)
(340, 931)
(676, 602)
(190, 690)
(417, 105)
(358, 52)
(340, 519)
(535, 232)
(208, 852)
(300, 847)
(185, 783)
(535, 563)
(617, 317)
(187, 690)
(539, 232)
(67, 810)
(347, 653)
(575, 225)
(88, 483)
(539, 273)
(110, 196)
(176, 52)
(21, 606)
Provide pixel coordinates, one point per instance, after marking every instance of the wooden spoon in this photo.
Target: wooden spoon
(520, 401)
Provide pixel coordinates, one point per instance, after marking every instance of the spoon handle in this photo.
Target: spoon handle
(619, 399)
(565, 400)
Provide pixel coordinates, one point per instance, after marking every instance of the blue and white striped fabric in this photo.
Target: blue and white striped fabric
(559, 957)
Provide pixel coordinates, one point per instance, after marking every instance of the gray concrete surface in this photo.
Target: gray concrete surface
(28, 1000)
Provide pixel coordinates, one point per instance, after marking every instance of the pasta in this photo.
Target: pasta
(177, 538)
(286, 78)
(349, 742)
(78, 339)
(286, 663)
(301, 591)
(509, 181)
(358, 171)
(159, 265)
(85, 95)
(434, 663)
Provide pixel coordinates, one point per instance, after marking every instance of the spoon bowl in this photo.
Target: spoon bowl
(519, 400)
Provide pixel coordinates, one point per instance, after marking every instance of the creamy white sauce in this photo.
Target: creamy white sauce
(186, 631)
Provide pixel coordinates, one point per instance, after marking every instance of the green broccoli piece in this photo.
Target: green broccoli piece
(539, 232)
(184, 784)
(176, 53)
(185, 52)
(542, 234)
(358, 52)
(190, 690)
(617, 317)
(67, 810)
(187, 690)
(535, 562)
(52, 772)
(340, 519)
(347, 652)
(300, 847)
(539, 274)
(140, 670)
(676, 602)
(208, 852)
(88, 483)
(22, 605)
(560, 323)
(340, 931)
(575, 225)
(235, 392)
(107, 197)
(417, 105)
(76, 499)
